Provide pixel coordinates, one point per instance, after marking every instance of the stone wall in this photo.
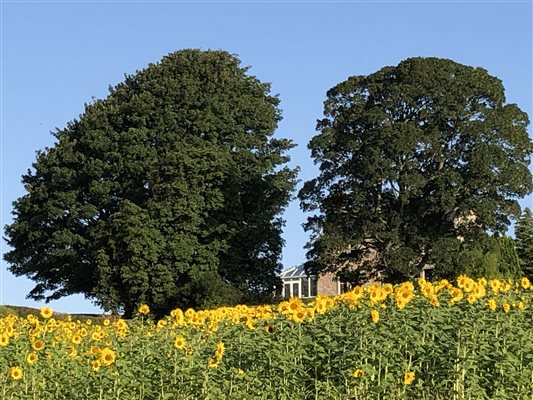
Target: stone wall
(327, 284)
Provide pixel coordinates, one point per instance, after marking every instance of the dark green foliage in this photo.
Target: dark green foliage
(167, 192)
(416, 162)
(509, 262)
(489, 257)
(524, 242)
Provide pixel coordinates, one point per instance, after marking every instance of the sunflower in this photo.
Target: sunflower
(31, 358)
(408, 378)
(212, 363)
(457, 295)
(295, 303)
(179, 342)
(358, 373)
(299, 315)
(400, 304)
(374, 314)
(144, 309)
(213, 326)
(434, 300)
(471, 298)
(350, 298)
(46, 312)
(219, 352)
(495, 285)
(526, 284)
(491, 304)
(178, 316)
(375, 294)
(15, 373)
(358, 291)
(121, 325)
(404, 294)
(107, 356)
(95, 365)
(37, 345)
(506, 307)
(72, 352)
(320, 307)
(76, 339)
(270, 329)
(4, 340)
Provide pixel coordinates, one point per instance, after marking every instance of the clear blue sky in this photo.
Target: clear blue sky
(58, 55)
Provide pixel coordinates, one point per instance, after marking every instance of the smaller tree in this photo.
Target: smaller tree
(524, 241)
(509, 262)
(488, 257)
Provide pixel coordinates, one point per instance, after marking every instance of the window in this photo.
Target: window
(314, 289)
(305, 287)
(344, 286)
(287, 290)
(295, 289)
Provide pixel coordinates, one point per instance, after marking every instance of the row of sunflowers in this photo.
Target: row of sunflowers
(422, 340)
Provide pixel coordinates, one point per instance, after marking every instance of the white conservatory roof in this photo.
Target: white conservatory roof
(294, 272)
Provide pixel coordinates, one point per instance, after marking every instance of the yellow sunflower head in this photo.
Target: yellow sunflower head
(46, 312)
(408, 377)
(144, 309)
(15, 373)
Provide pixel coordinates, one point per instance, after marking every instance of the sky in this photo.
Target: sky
(58, 55)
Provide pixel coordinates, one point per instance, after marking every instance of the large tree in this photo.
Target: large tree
(167, 192)
(524, 241)
(417, 162)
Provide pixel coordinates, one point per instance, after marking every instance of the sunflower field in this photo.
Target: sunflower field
(422, 340)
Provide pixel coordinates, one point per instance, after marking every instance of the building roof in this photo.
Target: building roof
(294, 272)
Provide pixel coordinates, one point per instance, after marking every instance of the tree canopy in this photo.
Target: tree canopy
(524, 241)
(167, 192)
(417, 163)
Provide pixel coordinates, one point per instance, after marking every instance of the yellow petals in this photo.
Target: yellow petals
(408, 377)
(144, 309)
(525, 283)
(46, 312)
(15, 373)
(37, 345)
(374, 315)
(219, 352)
(4, 340)
(72, 352)
(31, 358)
(107, 356)
(358, 373)
(95, 365)
(179, 342)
